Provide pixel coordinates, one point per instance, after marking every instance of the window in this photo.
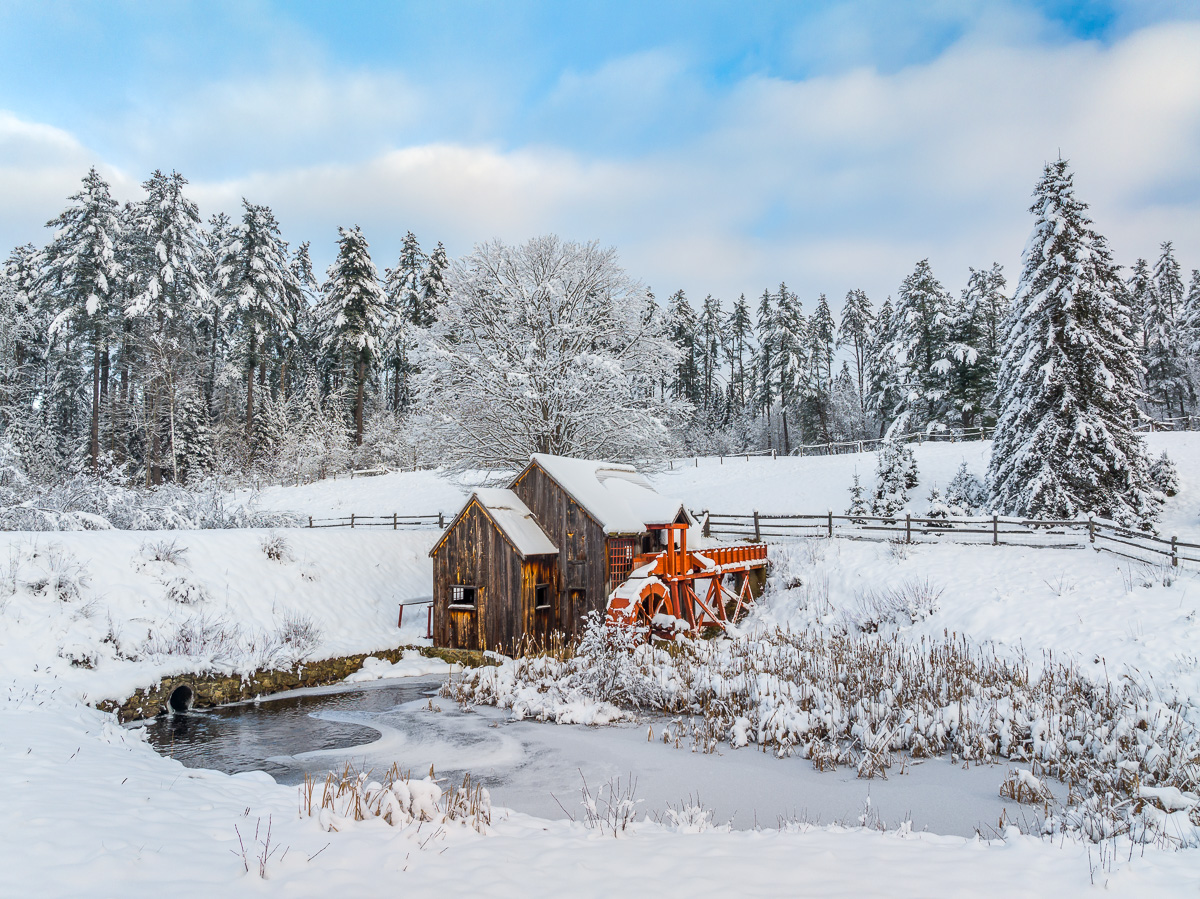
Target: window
(620, 559)
(541, 596)
(462, 596)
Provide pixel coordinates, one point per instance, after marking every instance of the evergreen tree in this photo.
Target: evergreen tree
(1167, 376)
(859, 510)
(883, 381)
(1140, 290)
(855, 332)
(816, 380)
(710, 334)
(255, 275)
(965, 494)
(974, 350)
(920, 348)
(895, 474)
(433, 286)
(738, 352)
(357, 309)
(80, 278)
(1068, 377)
(683, 331)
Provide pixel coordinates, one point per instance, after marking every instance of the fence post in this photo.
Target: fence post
(1174, 551)
(393, 521)
(908, 527)
(351, 519)
(310, 521)
(697, 461)
(757, 529)
(1091, 529)
(831, 522)
(441, 522)
(722, 458)
(670, 464)
(772, 452)
(706, 525)
(995, 529)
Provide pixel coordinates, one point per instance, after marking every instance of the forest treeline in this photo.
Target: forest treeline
(147, 344)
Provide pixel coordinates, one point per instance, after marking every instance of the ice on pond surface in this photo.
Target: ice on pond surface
(540, 768)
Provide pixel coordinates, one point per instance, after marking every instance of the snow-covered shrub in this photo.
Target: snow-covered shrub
(895, 473)
(296, 637)
(613, 809)
(185, 591)
(858, 510)
(394, 798)
(167, 552)
(615, 673)
(1022, 786)
(51, 571)
(906, 604)
(965, 494)
(203, 637)
(277, 548)
(1164, 476)
(938, 513)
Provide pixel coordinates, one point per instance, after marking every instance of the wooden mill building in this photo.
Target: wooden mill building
(539, 555)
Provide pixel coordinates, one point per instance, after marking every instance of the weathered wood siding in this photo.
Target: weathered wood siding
(476, 553)
(582, 556)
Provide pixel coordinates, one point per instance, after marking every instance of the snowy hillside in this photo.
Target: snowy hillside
(136, 606)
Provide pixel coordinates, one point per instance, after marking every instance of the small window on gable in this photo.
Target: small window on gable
(462, 596)
(541, 596)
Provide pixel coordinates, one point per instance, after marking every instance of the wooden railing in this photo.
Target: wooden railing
(997, 530)
(393, 521)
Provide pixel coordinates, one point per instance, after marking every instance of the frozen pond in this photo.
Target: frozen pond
(539, 768)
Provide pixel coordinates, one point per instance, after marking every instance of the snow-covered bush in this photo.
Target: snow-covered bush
(1164, 476)
(965, 494)
(45, 570)
(211, 640)
(910, 602)
(939, 511)
(166, 551)
(277, 548)
(394, 798)
(88, 502)
(185, 591)
(858, 510)
(895, 473)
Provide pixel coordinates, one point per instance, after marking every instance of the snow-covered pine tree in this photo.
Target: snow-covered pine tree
(683, 330)
(739, 353)
(433, 285)
(858, 510)
(1164, 476)
(1140, 291)
(1068, 381)
(965, 494)
(788, 336)
(815, 387)
(79, 277)
(974, 333)
(255, 277)
(358, 310)
(895, 473)
(710, 336)
(855, 332)
(920, 347)
(939, 511)
(883, 382)
(1168, 379)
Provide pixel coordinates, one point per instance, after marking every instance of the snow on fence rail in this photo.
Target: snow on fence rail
(997, 530)
(393, 521)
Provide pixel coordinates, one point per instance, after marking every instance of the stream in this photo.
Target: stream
(541, 769)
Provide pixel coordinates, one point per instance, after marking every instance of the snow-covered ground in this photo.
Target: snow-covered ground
(89, 807)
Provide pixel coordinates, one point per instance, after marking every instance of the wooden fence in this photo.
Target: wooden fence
(393, 521)
(996, 530)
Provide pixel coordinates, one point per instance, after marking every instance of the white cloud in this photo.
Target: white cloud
(830, 183)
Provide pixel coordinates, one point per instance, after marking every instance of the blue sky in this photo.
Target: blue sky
(722, 147)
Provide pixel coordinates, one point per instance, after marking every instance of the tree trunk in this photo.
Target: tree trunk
(787, 445)
(94, 444)
(250, 393)
(358, 403)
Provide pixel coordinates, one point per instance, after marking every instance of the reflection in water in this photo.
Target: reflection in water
(263, 736)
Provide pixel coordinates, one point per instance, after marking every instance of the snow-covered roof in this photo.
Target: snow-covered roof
(617, 496)
(516, 521)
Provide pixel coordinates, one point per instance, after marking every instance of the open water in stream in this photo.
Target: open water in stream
(541, 768)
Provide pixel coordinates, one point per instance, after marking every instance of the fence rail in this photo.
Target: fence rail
(393, 521)
(1095, 532)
